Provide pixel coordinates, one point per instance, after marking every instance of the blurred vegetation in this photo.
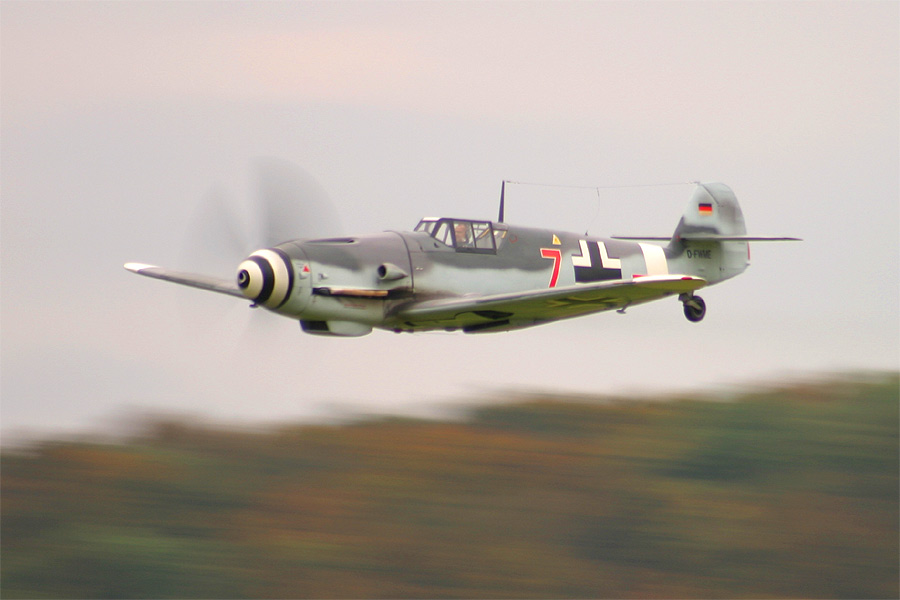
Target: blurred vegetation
(787, 492)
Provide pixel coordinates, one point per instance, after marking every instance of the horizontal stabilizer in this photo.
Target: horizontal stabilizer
(713, 237)
(203, 282)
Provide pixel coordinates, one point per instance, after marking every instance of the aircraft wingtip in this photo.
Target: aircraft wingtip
(137, 267)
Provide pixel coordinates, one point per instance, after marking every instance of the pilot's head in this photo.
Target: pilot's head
(460, 230)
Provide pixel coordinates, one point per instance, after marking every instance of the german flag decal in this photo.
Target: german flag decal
(705, 208)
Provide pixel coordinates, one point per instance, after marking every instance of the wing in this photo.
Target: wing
(513, 311)
(203, 282)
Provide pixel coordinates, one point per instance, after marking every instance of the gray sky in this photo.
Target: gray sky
(117, 118)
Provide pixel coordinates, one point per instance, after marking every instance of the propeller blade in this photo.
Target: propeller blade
(289, 205)
(216, 236)
(292, 204)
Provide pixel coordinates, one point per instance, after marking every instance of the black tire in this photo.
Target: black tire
(695, 309)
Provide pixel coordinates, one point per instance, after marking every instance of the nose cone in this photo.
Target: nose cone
(266, 277)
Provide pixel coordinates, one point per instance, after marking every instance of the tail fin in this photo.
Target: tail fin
(711, 237)
(713, 211)
(713, 214)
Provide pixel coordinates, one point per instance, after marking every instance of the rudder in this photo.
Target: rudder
(712, 212)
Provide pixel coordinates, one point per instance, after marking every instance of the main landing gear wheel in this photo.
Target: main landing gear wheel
(694, 308)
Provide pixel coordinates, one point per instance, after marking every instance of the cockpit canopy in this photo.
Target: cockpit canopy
(465, 235)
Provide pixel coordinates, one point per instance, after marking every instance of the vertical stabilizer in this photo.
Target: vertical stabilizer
(712, 211)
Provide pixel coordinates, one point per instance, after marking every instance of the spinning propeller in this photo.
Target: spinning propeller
(288, 204)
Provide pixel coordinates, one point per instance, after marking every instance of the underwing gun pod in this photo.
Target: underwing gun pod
(481, 276)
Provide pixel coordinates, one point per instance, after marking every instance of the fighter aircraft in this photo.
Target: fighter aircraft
(481, 276)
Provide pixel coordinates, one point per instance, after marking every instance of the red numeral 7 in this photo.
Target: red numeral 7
(556, 256)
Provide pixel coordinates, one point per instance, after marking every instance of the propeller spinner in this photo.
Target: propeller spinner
(266, 277)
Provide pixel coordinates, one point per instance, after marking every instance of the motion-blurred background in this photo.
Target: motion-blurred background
(117, 120)
(787, 492)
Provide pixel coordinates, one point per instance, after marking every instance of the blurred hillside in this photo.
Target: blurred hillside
(788, 492)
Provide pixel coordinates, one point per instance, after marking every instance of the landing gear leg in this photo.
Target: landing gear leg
(694, 307)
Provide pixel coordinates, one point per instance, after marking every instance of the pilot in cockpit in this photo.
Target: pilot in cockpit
(461, 232)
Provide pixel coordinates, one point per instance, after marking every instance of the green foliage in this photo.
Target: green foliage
(789, 493)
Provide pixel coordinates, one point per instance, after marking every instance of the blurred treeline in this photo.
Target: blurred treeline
(788, 492)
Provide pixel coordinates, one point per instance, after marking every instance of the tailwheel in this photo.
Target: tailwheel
(694, 308)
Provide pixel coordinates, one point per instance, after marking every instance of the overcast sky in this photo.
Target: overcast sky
(118, 118)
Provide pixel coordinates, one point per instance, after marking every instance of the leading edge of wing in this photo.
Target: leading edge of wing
(639, 288)
(203, 282)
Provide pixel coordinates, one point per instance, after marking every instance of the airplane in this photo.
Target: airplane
(482, 276)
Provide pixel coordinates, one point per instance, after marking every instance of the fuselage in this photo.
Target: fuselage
(349, 285)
